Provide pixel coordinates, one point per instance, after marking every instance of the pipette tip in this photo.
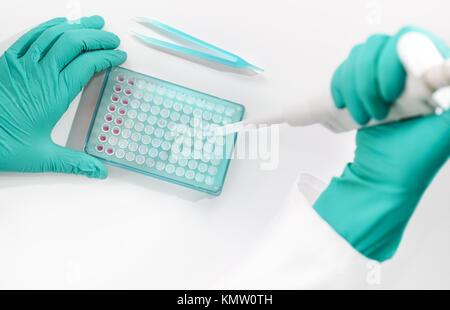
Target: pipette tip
(234, 127)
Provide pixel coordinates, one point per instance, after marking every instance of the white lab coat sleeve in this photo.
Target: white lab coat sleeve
(300, 250)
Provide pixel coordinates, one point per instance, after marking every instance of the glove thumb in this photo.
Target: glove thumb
(64, 160)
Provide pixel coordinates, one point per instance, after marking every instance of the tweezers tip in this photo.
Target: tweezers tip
(256, 68)
(138, 36)
(133, 33)
(140, 20)
(145, 20)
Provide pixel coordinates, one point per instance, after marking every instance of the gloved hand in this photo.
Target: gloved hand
(40, 74)
(373, 200)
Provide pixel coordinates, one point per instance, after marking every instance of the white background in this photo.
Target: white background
(130, 231)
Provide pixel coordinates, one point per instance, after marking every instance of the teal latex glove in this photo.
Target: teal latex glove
(40, 74)
(373, 200)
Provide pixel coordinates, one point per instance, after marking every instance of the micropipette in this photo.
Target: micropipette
(427, 91)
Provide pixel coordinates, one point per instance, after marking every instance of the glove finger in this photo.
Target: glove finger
(64, 160)
(73, 43)
(82, 68)
(391, 74)
(21, 46)
(366, 77)
(335, 90)
(348, 86)
(441, 46)
(46, 40)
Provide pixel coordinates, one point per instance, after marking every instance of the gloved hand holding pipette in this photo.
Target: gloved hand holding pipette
(373, 200)
(40, 75)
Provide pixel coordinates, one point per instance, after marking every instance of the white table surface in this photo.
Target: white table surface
(131, 231)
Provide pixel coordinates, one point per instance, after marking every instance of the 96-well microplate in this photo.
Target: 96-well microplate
(163, 130)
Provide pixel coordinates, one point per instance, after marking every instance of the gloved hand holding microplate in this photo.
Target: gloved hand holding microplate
(40, 75)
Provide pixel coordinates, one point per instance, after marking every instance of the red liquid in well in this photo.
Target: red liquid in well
(112, 109)
(119, 121)
(115, 99)
(122, 112)
(125, 101)
(127, 92)
(110, 151)
(102, 138)
(100, 148)
(105, 128)
(116, 131)
(118, 89)
(131, 83)
(109, 118)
